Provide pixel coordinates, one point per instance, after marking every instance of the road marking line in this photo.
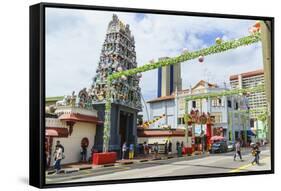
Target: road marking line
(86, 171)
(245, 166)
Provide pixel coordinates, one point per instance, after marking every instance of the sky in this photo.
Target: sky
(74, 39)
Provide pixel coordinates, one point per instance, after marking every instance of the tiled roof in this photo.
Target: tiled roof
(247, 74)
(161, 99)
(78, 117)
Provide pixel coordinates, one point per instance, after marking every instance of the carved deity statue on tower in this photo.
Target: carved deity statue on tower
(117, 54)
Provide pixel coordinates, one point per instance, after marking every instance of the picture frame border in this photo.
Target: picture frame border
(37, 37)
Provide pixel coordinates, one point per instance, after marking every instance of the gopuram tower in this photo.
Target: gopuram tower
(117, 54)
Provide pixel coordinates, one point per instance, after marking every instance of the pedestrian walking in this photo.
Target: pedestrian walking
(256, 154)
(170, 147)
(60, 145)
(237, 150)
(156, 150)
(58, 156)
(145, 148)
(131, 151)
(166, 148)
(178, 145)
(124, 150)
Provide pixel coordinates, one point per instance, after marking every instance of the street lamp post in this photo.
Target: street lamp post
(266, 27)
(202, 133)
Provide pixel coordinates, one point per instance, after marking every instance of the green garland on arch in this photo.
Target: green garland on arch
(217, 48)
(251, 111)
(258, 88)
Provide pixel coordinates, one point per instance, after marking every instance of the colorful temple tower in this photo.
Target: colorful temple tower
(117, 54)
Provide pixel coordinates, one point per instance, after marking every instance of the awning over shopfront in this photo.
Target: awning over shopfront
(56, 132)
(51, 133)
(75, 117)
(161, 133)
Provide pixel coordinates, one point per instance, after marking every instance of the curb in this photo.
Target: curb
(144, 160)
(85, 168)
(65, 171)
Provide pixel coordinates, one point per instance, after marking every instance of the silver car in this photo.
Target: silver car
(230, 146)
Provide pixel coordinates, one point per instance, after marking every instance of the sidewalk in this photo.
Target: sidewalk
(70, 168)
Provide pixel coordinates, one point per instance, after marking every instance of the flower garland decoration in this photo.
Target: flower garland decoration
(217, 48)
(258, 88)
(148, 123)
(107, 120)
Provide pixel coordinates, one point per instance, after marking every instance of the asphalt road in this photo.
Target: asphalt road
(214, 163)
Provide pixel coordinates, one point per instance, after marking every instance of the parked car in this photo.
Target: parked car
(230, 146)
(219, 147)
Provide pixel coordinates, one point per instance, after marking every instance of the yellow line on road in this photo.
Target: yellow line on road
(245, 166)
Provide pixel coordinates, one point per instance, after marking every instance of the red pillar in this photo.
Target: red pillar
(209, 134)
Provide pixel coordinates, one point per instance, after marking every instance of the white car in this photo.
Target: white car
(230, 146)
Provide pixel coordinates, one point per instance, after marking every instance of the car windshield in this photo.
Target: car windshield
(216, 144)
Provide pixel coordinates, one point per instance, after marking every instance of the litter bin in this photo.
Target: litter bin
(179, 151)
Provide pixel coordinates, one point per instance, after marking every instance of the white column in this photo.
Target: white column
(176, 112)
